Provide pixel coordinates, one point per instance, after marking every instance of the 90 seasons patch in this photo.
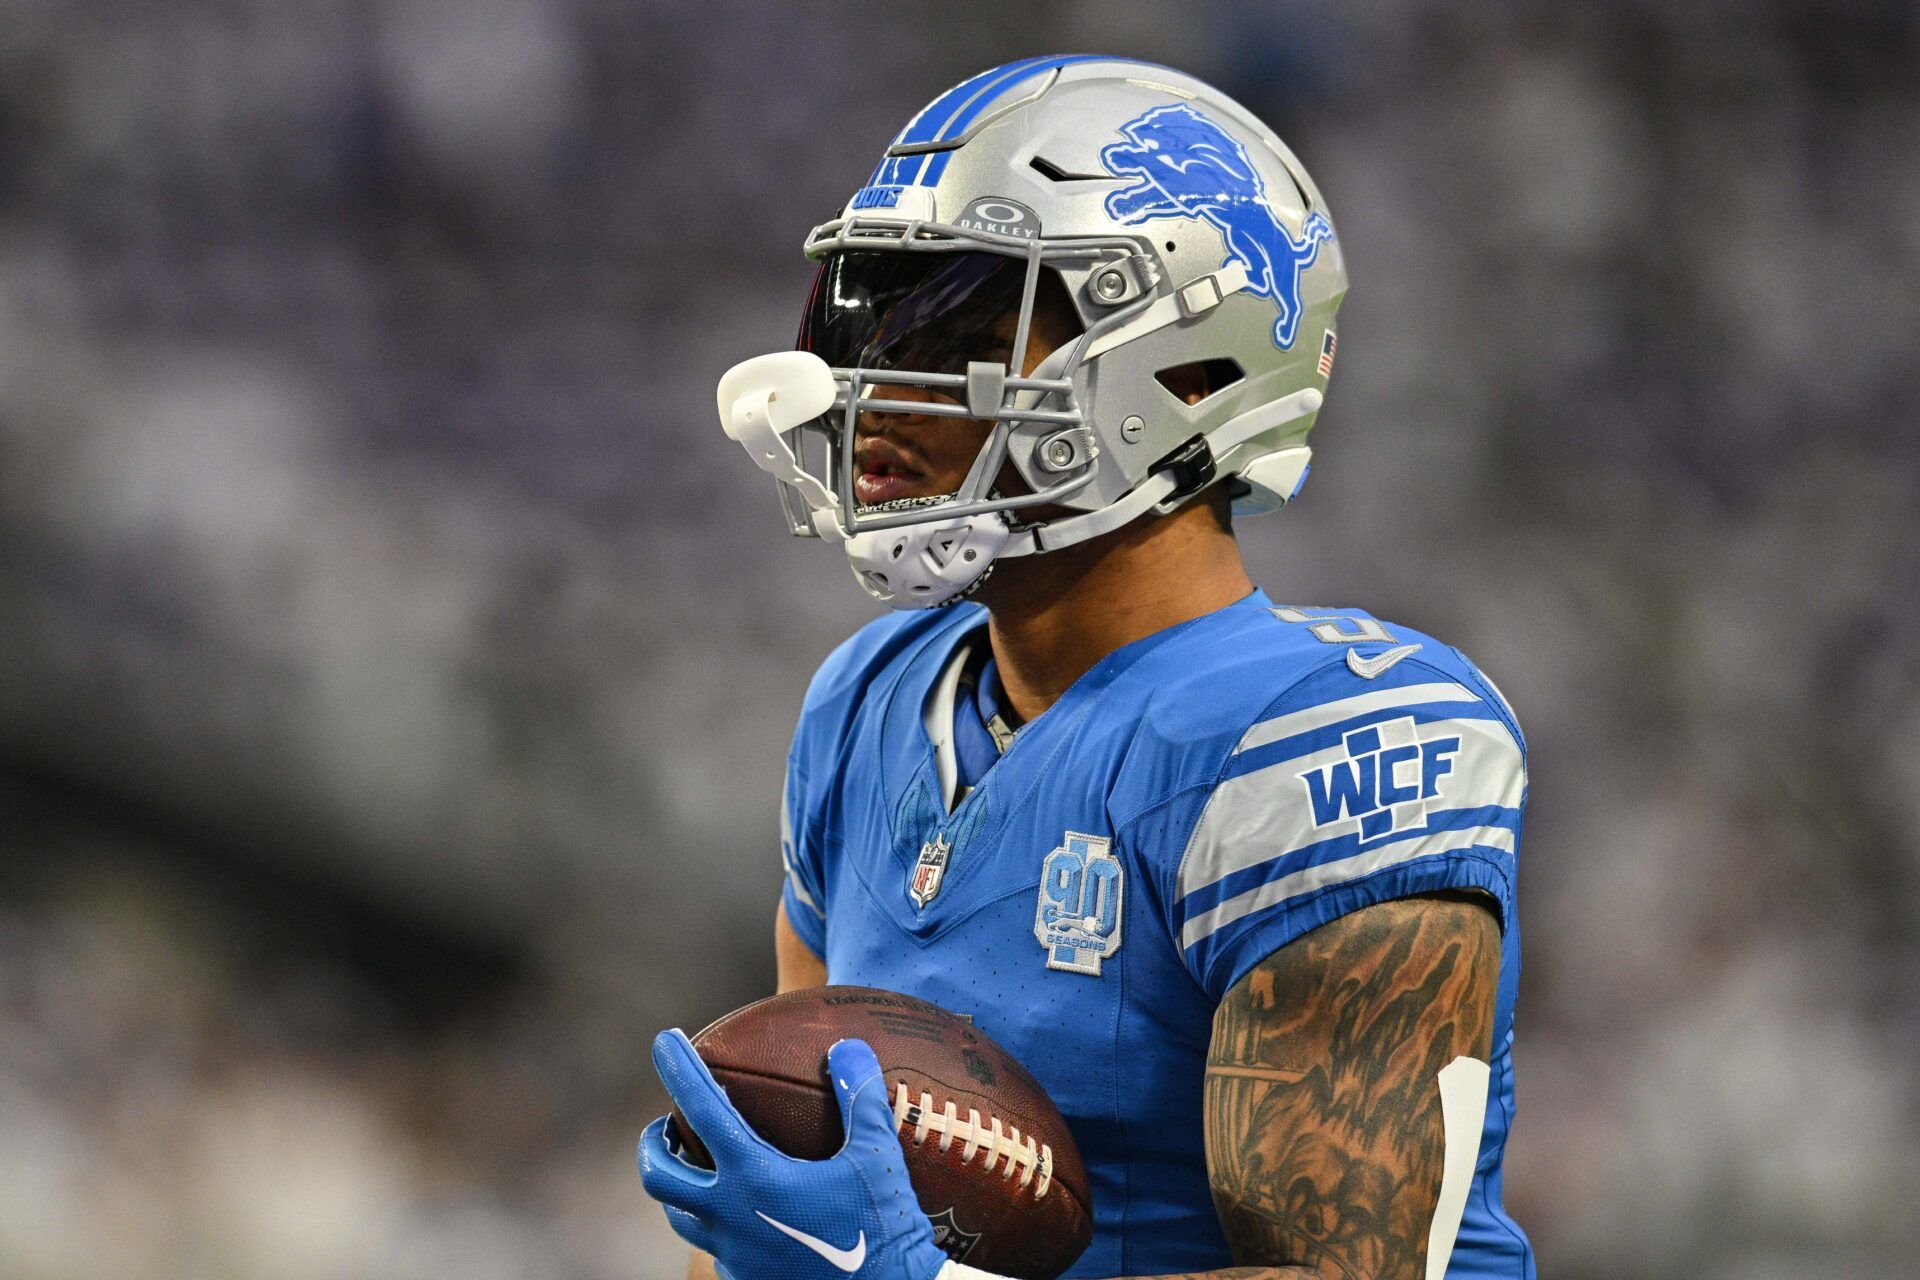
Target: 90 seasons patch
(1078, 916)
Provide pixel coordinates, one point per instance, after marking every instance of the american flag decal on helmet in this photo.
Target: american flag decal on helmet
(1326, 354)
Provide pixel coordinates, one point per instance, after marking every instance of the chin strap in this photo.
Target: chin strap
(1168, 486)
(937, 563)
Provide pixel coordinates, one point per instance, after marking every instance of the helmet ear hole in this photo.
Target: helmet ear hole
(1057, 317)
(1198, 380)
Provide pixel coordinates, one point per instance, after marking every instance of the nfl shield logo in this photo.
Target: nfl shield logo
(947, 1234)
(929, 871)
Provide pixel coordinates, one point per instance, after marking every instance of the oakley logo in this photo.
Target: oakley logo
(1000, 217)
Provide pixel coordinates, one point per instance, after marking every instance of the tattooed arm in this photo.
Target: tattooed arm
(1324, 1137)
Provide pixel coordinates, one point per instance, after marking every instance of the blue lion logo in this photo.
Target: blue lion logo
(1189, 167)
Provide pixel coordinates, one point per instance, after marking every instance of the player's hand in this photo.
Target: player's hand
(764, 1215)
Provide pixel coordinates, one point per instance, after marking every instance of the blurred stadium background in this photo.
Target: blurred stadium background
(396, 663)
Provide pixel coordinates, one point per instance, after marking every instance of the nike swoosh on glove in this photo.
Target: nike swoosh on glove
(764, 1215)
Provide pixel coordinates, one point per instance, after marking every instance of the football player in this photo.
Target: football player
(1233, 878)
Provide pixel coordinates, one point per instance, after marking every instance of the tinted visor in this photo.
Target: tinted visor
(918, 312)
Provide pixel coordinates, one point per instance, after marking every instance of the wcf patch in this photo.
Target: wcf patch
(1386, 782)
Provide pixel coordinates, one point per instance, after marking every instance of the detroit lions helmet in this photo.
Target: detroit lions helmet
(1183, 233)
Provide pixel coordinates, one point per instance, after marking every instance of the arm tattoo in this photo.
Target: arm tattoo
(1324, 1136)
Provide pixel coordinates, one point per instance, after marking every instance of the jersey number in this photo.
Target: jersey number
(1336, 628)
(1081, 892)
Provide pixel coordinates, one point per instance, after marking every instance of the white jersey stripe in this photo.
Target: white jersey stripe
(1327, 713)
(1308, 879)
(786, 857)
(801, 894)
(1266, 814)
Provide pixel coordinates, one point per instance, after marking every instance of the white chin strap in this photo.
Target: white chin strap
(1155, 492)
(937, 562)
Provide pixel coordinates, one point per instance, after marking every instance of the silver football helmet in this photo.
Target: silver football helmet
(1183, 232)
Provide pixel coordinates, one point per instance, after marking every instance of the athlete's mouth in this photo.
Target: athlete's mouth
(887, 473)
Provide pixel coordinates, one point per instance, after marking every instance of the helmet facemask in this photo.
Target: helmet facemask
(944, 332)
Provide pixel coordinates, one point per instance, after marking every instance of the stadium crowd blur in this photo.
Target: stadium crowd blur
(396, 663)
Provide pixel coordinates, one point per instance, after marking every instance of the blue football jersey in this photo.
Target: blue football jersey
(1198, 799)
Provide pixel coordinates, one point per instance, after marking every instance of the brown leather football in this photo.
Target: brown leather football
(989, 1156)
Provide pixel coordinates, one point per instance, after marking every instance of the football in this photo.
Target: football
(988, 1153)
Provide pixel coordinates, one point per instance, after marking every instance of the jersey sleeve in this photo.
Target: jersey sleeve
(1345, 792)
(819, 737)
(804, 892)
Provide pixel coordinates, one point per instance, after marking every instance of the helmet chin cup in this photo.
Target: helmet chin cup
(924, 566)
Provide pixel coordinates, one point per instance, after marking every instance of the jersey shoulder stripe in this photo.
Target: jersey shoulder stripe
(1339, 781)
(1292, 724)
(798, 876)
(1315, 784)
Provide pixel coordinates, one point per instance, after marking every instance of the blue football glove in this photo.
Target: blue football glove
(764, 1215)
